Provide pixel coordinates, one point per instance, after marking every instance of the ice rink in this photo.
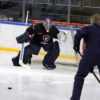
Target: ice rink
(40, 84)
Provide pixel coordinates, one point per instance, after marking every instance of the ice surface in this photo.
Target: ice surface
(40, 84)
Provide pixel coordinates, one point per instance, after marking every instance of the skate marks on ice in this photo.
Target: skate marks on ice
(40, 84)
(35, 84)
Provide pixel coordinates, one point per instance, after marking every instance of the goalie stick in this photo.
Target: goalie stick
(93, 71)
(22, 49)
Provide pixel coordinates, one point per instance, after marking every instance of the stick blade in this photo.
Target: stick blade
(24, 65)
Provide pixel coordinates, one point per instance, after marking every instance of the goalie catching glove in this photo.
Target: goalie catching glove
(62, 36)
(23, 38)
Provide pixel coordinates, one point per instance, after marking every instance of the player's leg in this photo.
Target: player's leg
(85, 66)
(29, 50)
(52, 54)
(47, 62)
(56, 51)
(15, 60)
(48, 48)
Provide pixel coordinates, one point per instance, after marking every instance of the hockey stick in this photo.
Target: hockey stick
(22, 49)
(93, 71)
(76, 55)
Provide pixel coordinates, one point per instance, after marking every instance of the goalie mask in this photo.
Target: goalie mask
(47, 24)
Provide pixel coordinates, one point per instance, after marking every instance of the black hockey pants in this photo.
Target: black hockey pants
(52, 54)
(52, 50)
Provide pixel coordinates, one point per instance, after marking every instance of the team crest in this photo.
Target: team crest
(46, 38)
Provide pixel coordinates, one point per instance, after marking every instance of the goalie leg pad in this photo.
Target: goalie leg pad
(15, 60)
(29, 50)
(52, 54)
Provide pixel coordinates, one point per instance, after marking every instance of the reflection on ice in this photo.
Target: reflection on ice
(40, 84)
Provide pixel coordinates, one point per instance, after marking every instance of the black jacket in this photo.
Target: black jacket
(40, 35)
(91, 35)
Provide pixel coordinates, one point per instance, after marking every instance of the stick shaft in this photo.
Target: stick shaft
(22, 49)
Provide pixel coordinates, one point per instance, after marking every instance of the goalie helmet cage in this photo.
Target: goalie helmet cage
(65, 58)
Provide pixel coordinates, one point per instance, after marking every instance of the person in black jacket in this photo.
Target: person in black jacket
(91, 57)
(42, 36)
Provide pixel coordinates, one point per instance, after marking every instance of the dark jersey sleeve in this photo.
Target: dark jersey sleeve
(34, 29)
(81, 33)
(54, 31)
(30, 30)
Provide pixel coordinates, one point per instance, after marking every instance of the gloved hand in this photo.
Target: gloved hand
(76, 47)
(91, 70)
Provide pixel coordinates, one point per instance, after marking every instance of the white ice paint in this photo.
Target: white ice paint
(40, 84)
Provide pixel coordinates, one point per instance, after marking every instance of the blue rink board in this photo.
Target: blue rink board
(23, 24)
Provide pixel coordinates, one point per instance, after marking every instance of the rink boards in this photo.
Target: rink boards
(10, 30)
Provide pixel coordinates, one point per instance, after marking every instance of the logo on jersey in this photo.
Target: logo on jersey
(45, 38)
